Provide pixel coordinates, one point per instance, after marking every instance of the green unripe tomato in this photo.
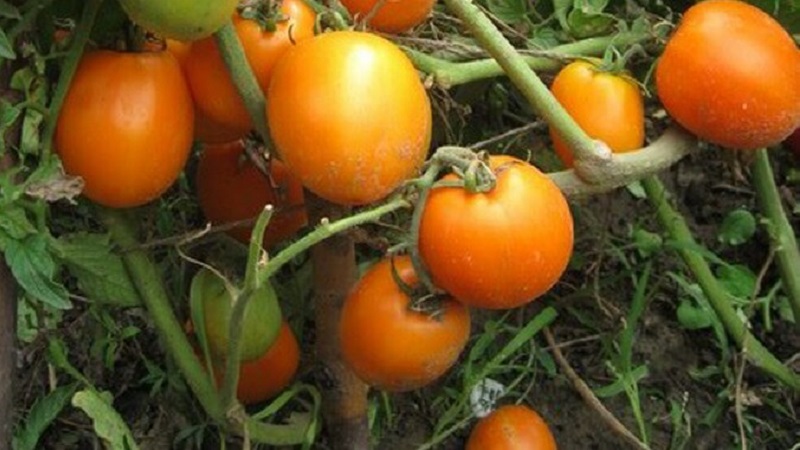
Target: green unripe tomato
(262, 318)
(184, 20)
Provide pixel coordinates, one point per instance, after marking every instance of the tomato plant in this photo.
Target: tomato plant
(607, 106)
(215, 95)
(187, 20)
(349, 116)
(731, 75)
(502, 248)
(390, 345)
(394, 16)
(231, 188)
(126, 126)
(262, 320)
(511, 427)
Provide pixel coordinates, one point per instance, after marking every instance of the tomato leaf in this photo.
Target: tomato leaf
(737, 227)
(509, 11)
(100, 273)
(14, 223)
(692, 317)
(107, 422)
(787, 12)
(33, 267)
(738, 280)
(6, 48)
(41, 415)
(9, 11)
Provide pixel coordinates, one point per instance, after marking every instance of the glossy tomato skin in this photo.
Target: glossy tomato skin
(231, 188)
(608, 107)
(215, 94)
(731, 75)
(187, 20)
(388, 345)
(349, 116)
(395, 16)
(179, 49)
(126, 126)
(499, 249)
(512, 427)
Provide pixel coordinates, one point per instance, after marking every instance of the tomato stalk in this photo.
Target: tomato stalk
(780, 230)
(448, 73)
(243, 78)
(675, 225)
(592, 156)
(79, 40)
(146, 277)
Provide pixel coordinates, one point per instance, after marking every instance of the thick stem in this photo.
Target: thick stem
(81, 36)
(675, 225)
(589, 153)
(232, 52)
(780, 230)
(344, 395)
(448, 74)
(625, 168)
(147, 279)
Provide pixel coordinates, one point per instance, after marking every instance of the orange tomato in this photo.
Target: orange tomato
(731, 75)
(395, 16)
(389, 345)
(179, 49)
(215, 95)
(126, 126)
(349, 116)
(230, 188)
(608, 107)
(511, 427)
(263, 378)
(499, 249)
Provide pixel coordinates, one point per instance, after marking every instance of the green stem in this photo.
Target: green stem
(626, 168)
(679, 231)
(325, 230)
(589, 153)
(780, 230)
(81, 37)
(448, 74)
(243, 78)
(147, 279)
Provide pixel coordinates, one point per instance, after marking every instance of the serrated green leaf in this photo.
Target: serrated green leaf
(584, 24)
(101, 274)
(6, 47)
(41, 415)
(34, 269)
(738, 280)
(509, 11)
(107, 422)
(737, 227)
(9, 113)
(14, 222)
(646, 242)
(692, 317)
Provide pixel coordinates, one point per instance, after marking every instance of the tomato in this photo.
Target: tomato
(267, 375)
(230, 188)
(349, 116)
(262, 317)
(186, 20)
(499, 249)
(511, 427)
(395, 16)
(608, 107)
(126, 126)
(180, 50)
(215, 94)
(731, 75)
(389, 345)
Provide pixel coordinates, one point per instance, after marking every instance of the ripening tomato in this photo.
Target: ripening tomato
(608, 107)
(126, 126)
(731, 75)
(512, 427)
(262, 320)
(215, 95)
(349, 116)
(186, 20)
(231, 188)
(388, 344)
(180, 50)
(499, 249)
(395, 16)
